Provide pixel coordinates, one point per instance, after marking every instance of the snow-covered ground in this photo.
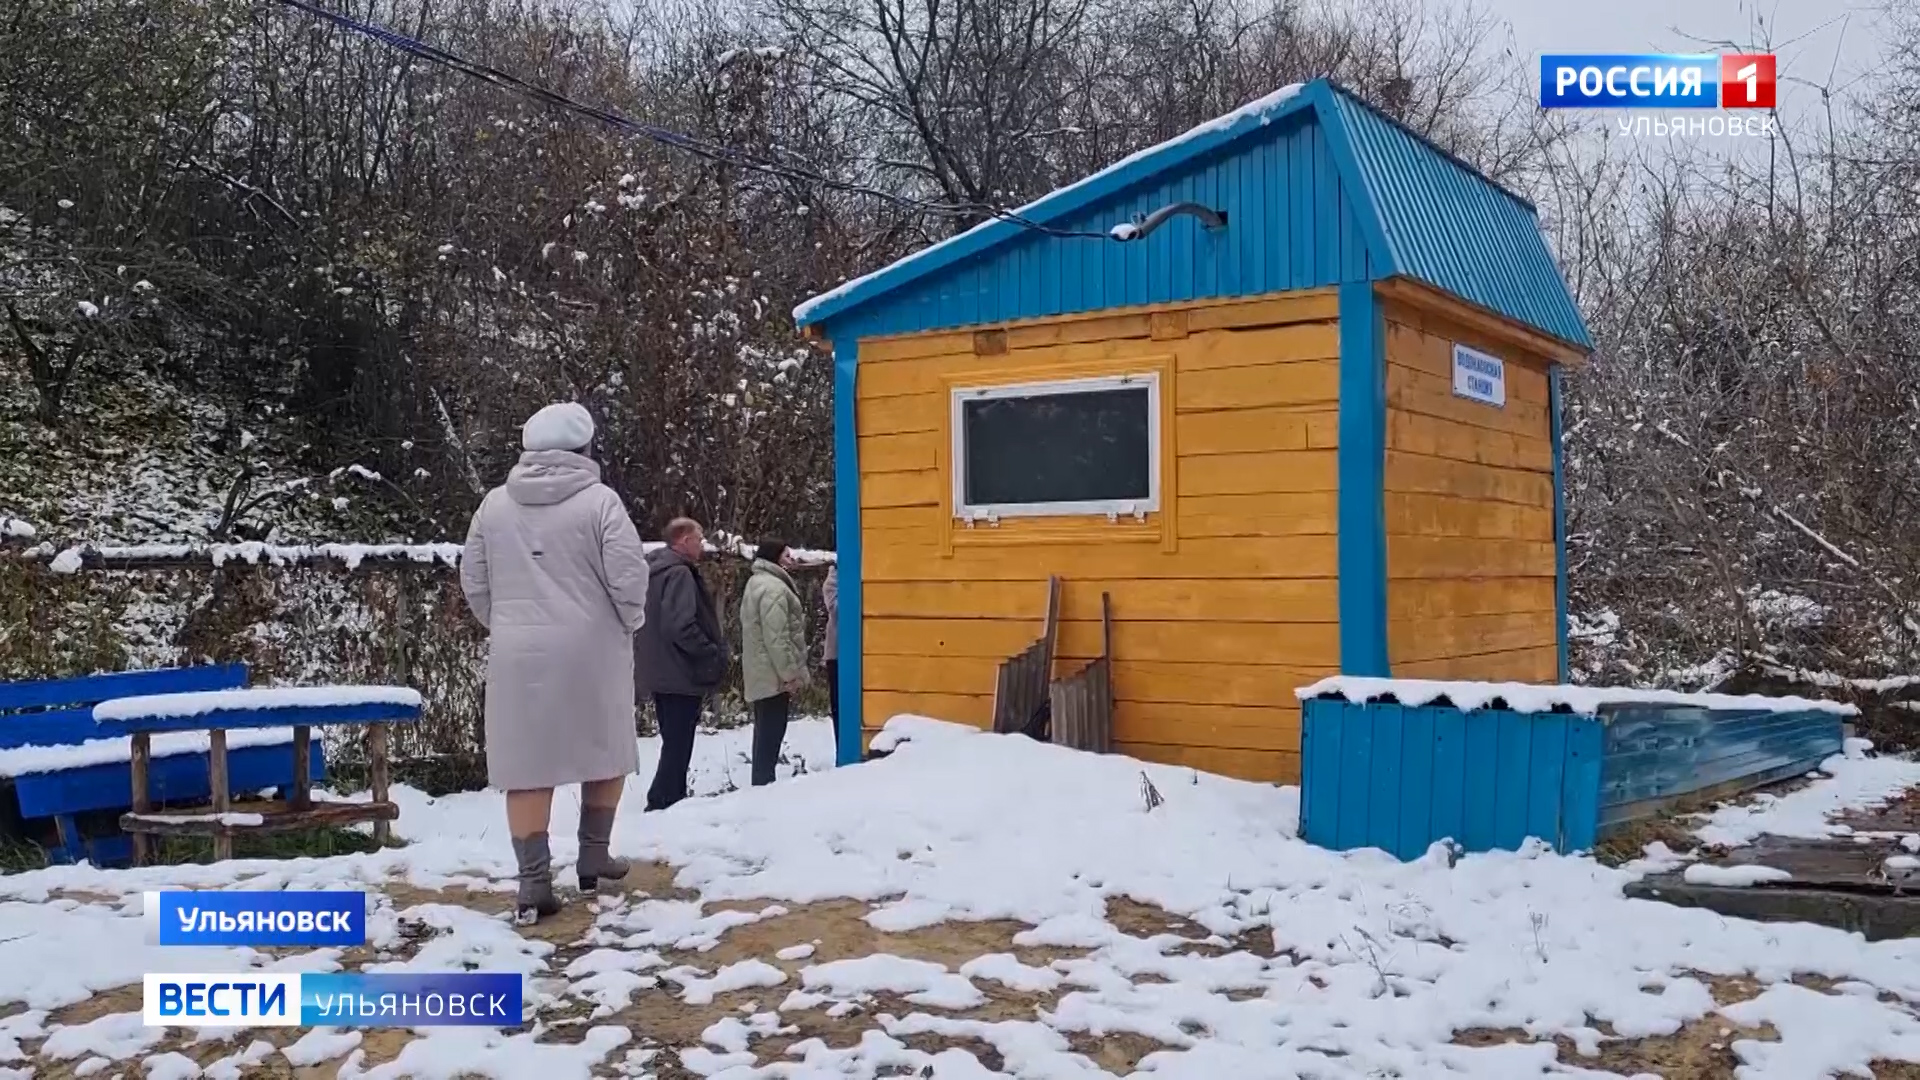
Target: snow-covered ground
(1266, 957)
(1807, 813)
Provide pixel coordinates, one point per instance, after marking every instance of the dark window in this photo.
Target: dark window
(1052, 447)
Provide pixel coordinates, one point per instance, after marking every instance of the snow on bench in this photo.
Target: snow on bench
(1528, 698)
(219, 819)
(29, 760)
(201, 703)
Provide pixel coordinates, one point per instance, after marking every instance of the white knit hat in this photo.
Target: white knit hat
(565, 426)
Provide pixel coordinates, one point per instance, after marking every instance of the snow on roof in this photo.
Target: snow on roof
(199, 703)
(1264, 108)
(27, 760)
(1526, 697)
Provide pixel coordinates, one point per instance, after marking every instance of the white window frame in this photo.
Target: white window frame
(1112, 508)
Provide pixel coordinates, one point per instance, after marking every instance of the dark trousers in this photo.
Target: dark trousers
(833, 703)
(678, 716)
(769, 731)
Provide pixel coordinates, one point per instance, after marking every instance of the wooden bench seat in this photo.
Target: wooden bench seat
(59, 764)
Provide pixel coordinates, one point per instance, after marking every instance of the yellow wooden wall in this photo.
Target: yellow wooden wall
(1224, 602)
(1469, 507)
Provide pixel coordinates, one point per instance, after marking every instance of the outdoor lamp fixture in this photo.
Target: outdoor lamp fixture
(1139, 227)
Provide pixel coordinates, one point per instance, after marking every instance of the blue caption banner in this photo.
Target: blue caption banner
(258, 919)
(1629, 81)
(456, 998)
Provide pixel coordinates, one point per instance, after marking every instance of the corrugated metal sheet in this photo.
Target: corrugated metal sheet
(1400, 778)
(1291, 224)
(1449, 226)
(1657, 755)
(1320, 190)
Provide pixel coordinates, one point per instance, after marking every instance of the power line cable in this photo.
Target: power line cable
(701, 148)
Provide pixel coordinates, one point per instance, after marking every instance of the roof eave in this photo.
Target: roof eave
(1051, 208)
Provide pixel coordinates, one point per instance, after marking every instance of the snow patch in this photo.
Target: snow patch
(696, 990)
(1851, 783)
(1734, 877)
(921, 982)
(321, 1044)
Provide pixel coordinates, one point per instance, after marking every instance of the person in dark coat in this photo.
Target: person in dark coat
(680, 654)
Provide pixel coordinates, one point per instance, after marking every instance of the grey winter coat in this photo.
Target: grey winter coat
(773, 632)
(681, 649)
(554, 569)
(830, 598)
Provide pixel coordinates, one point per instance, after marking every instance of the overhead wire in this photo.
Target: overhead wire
(719, 153)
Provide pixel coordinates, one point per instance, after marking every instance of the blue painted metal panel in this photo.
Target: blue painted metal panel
(1559, 526)
(1447, 225)
(1320, 730)
(1396, 778)
(236, 719)
(92, 689)
(1322, 244)
(1356, 768)
(1318, 190)
(1546, 776)
(1449, 818)
(1513, 773)
(846, 528)
(1580, 784)
(1383, 811)
(1416, 778)
(178, 778)
(1362, 458)
(1482, 780)
(1655, 754)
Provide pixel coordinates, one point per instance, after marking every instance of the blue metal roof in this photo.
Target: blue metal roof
(1448, 225)
(1319, 189)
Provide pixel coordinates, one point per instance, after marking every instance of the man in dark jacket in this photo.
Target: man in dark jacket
(680, 654)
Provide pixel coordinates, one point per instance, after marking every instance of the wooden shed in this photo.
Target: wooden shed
(1285, 387)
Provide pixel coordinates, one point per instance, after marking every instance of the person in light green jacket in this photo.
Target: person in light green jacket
(773, 651)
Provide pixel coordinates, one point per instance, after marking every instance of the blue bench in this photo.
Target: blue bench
(59, 713)
(221, 713)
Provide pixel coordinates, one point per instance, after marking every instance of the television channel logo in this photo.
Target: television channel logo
(1658, 81)
(341, 999)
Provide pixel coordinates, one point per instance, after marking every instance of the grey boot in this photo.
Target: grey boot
(595, 865)
(536, 900)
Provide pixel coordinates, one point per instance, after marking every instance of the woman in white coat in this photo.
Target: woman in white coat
(554, 569)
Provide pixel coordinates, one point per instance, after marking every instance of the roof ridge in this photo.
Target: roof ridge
(1211, 134)
(1480, 174)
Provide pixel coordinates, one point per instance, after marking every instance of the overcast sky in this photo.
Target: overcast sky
(1812, 37)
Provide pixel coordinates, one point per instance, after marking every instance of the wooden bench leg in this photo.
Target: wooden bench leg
(222, 797)
(377, 778)
(142, 753)
(302, 798)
